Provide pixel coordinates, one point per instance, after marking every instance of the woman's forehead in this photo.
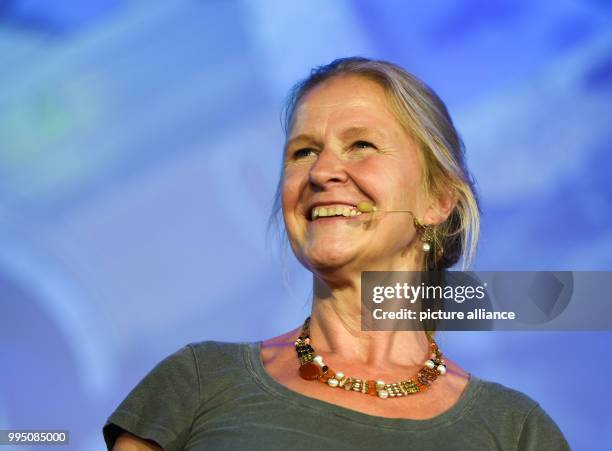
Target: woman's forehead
(344, 103)
(343, 93)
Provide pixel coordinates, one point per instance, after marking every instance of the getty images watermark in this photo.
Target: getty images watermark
(486, 300)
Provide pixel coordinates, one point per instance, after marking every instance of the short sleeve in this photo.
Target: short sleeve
(162, 406)
(541, 433)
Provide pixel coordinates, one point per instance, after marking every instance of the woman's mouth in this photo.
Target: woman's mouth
(334, 211)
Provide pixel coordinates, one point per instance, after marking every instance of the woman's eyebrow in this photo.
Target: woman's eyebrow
(302, 137)
(346, 135)
(356, 132)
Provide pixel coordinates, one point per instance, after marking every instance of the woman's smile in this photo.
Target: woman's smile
(331, 211)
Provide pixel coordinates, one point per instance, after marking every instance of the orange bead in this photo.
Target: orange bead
(325, 377)
(310, 371)
(372, 388)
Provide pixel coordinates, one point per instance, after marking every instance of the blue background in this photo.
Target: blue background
(139, 151)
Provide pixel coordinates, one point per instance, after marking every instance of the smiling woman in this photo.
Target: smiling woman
(393, 126)
(373, 178)
(346, 145)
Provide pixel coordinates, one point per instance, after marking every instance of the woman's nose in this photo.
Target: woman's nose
(328, 168)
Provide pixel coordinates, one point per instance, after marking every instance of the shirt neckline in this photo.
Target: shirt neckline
(253, 359)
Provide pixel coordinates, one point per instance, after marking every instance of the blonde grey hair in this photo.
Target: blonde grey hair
(442, 153)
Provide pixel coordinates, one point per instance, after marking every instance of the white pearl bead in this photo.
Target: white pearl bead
(442, 369)
(332, 382)
(318, 360)
(430, 364)
(384, 394)
(426, 247)
(339, 375)
(380, 384)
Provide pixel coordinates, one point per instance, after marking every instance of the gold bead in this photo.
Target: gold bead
(348, 385)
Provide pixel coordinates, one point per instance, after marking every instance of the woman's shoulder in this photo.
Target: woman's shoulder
(499, 396)
(161, 407)
(193, 359)
(504, 409)
(218, 346)
(212, 354)
(501, 403)
(207, 353)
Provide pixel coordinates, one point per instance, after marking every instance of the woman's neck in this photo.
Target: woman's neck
(336, 333)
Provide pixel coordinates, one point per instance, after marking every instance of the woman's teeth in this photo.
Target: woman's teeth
(334, 210)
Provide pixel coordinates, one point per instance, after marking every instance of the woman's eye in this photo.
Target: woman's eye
(301, 153)
(364, 145)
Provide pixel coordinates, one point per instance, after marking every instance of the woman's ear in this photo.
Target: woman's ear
(440, 207)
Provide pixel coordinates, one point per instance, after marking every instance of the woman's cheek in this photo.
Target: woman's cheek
(289, 186)
(369, 175)
(290, 200)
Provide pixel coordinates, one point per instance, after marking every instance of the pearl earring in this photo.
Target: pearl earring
(428, 235)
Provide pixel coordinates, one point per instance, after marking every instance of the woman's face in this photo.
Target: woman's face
(346, 146)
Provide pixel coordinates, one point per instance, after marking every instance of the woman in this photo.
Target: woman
(362, 138)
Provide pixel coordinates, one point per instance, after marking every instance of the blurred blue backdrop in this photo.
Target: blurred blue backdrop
(139, 151)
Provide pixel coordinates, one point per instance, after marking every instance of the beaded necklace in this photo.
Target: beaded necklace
(312, 367)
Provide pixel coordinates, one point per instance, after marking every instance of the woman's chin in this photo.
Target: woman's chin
(322, 259)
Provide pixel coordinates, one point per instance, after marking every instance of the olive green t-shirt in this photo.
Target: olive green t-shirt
(218, 396)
